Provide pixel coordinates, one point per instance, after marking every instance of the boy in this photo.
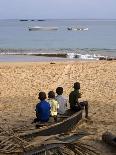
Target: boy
(54, 105)
(61, 100)
(75, 105)
(42, 109)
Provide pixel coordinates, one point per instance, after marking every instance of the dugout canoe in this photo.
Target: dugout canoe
(63, 126)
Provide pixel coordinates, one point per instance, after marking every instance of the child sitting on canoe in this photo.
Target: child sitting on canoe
(62, 101)
(42, 109)
(54, 105)
(75, 105)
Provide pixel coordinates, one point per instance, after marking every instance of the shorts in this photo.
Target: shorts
(77, 108)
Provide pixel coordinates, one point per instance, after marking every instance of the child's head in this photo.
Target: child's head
(59, 90)
(42, 96)
(76, 85)
(51, 94)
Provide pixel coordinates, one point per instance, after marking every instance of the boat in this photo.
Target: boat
(53, 143)
(65, 124)
(43, 139)
(109, 138)
(37, 28)
(41, 20)
(69, 28)
(23, 20)
(77, 29)
(44, 144)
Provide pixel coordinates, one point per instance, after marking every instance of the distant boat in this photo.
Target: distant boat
(23, 20)
(37, 28)
(77, 29)
(41, 19)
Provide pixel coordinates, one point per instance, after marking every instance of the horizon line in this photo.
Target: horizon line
(57, 18)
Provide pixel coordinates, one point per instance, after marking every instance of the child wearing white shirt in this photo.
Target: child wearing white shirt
(62, 101)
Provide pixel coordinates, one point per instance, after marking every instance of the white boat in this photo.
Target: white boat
(77, 29)
(37, 28)
(85, 29)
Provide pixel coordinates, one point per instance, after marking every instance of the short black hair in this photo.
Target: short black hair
(76, 85)
(51, 94)
(59, 90)
(42, 96)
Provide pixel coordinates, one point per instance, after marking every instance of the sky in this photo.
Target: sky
(58, 9)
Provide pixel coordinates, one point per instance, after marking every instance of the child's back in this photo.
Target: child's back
(42, 108)
(54, 107)
(62, 101)
(53, 104)
(62, 104)
(43, 111)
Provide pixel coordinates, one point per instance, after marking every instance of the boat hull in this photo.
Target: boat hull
(57, 128)
(43, 28)
(77, 29)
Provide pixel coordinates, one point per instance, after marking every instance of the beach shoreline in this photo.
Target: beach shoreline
(66, 54)
(20, 83)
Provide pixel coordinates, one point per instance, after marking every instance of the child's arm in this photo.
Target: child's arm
(79, 96)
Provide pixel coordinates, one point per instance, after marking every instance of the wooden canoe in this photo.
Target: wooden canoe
(57, 128)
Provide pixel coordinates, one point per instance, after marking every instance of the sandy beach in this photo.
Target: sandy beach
(21, 82)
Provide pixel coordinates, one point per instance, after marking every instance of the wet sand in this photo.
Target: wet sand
(21, 82)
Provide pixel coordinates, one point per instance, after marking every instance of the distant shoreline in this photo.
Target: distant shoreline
(8, 54)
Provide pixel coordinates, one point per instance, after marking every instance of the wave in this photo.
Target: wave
(78, 54)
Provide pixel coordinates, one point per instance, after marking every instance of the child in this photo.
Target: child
(61, 101)
(75, 105)
(42, 109)
(54, 105)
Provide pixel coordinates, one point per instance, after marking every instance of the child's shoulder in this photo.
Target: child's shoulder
(55, 101)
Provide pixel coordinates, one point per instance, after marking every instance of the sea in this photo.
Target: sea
(96, 39)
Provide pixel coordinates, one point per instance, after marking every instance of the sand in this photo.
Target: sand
(20, 84)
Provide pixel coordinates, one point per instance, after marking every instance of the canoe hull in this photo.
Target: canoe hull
(58, 128)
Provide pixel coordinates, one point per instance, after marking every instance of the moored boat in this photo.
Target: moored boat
(37, 28)
(77, 29)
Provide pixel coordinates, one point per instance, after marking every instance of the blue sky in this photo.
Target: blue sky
(60, 9)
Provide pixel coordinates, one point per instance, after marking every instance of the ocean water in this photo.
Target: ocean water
(99, 40)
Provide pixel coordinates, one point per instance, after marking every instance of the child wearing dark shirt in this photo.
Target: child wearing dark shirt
(75, 105)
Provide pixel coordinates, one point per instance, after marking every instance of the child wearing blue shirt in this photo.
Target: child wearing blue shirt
(42, 109)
